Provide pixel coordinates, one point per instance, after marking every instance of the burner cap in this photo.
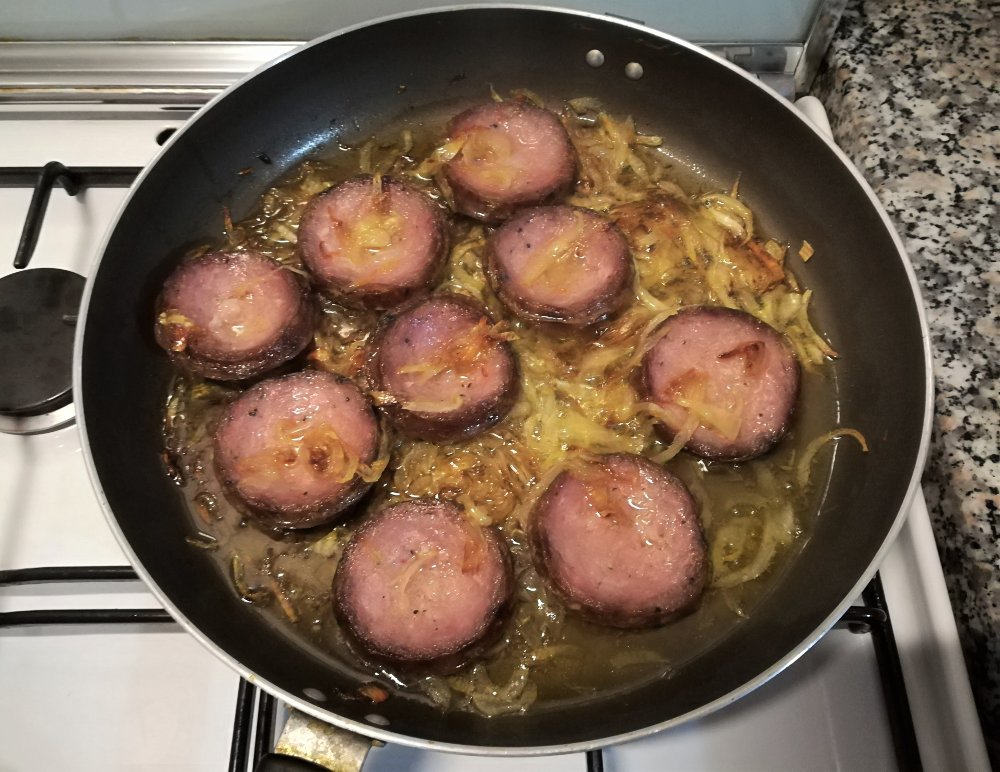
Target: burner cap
(38, 309)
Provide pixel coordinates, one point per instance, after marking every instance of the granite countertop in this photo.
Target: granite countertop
(913, 91)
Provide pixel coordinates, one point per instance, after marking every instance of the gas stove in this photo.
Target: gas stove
(97, 676)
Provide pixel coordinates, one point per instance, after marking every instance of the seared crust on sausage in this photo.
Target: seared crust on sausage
(233, 315)
(562, 264)
(440, 369)
(294, 452)
(373, 243)
(512, 154)
(725, 372)
(619, 540)
(419, 583)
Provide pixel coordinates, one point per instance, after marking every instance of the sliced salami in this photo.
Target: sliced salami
(620, 541)
(419, 582)
(560, 264)
(442, 368)
(724, 378)
(511, 154)
(295, 452)
(232, 315)
(373, 241)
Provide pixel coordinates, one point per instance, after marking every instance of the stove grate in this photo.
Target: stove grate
(32, 617)
(253, 730)
(871, 619)
(904, 736)
(43, 179)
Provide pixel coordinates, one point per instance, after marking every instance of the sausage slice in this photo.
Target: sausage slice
(295, 451)
(512, 154)
(419, 582)
(232, 315)
(620, 541)
(445, 371)
(725, 374)
(373, 241)
(560, 264)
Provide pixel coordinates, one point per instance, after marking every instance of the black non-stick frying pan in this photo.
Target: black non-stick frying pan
(348, 85)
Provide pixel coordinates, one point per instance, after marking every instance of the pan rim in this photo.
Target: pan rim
(385, 735)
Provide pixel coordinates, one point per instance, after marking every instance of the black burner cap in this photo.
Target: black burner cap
(38, 308)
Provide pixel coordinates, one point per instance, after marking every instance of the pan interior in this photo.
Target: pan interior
(348, 86)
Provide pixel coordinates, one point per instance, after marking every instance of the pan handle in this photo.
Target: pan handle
(272, 762)
(307, 744)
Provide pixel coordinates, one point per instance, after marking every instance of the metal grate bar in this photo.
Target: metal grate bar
(67, 574)
(85, 176)
(18, 576)
(72, 180)
(264, 733)
(904, 735)
(50, 174)
(83, 617)
(239, 752)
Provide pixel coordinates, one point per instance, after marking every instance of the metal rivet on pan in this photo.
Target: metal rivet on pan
(314, 694)
(633, 70)
(595, 58)
(375, 718)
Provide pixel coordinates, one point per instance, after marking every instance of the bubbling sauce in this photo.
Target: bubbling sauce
(690, 247)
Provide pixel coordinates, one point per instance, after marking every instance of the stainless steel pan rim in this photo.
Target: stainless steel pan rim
(386, 735)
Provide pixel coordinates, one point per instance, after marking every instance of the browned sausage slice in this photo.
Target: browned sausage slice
(512, 154)
(445, 370)
(620, 541)
(232, 315)
(295, 451)
(560, 264)
(419, 582)
(724, 377)
(373, 241)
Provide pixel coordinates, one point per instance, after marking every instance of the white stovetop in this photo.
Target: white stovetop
(151, 698)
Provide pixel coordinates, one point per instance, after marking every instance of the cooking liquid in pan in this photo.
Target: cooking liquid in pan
(576, 397)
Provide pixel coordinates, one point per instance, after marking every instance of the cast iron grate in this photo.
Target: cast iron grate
(253, 729)
(73, 179)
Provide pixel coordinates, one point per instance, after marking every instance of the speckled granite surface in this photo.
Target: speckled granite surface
(913, 91)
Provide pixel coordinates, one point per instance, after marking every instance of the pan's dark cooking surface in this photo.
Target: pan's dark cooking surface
(342, 89)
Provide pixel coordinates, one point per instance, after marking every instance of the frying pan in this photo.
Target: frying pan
(345, 86)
